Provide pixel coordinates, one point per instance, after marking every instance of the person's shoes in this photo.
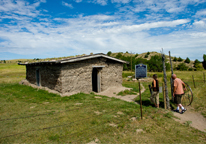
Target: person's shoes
(176, 110)
(184, 110)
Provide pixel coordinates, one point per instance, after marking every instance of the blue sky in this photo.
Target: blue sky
(56, 28)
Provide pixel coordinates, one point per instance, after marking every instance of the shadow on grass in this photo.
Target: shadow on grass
(147, 103)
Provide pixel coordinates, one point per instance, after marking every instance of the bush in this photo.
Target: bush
(148, 53)
(175, 59)
(119, 55)
(109, 53)
(155, 64)
(187, 60)
(198, 67)
(136, 55)
(179, 59)
(146, 56)
(204, 61)
(182, 67)
(190, 69)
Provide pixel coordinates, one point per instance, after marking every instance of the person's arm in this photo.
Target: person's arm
(184, 86)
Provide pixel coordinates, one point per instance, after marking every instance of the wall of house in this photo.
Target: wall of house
(49, 76)
(77, 76)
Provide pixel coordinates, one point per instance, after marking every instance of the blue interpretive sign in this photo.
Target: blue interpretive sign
(140, 71)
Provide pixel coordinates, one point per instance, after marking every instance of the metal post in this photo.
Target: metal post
(140, 99)
(171, 80)
(165, 82)
(193, 81)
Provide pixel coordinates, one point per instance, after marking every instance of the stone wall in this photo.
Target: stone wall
(77, 76)
(49, 76)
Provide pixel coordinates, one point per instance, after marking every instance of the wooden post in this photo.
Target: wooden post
(171, 80)
(131, 63)
(193, 81)
(165, 82)
(140, 99)
(163, 92)
(204, 76)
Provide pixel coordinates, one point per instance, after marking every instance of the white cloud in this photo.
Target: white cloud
(201, 13)
(200, 24)
(20, 7)
(101, 2)
(78, 1)
(120, 1)
(67, 5)
(101, 33)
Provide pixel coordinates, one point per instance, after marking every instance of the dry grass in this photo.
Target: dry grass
(12, 73)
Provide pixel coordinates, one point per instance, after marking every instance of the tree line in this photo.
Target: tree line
(154, 64)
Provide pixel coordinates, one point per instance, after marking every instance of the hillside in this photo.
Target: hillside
(142, 55)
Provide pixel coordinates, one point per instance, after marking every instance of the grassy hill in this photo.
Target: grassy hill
(142, 55)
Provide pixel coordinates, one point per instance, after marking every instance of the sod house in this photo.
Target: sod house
(88, 73)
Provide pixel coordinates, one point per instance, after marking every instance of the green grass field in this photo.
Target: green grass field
(29, 115)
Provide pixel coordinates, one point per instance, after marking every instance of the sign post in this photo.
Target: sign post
(140, 99)
(140, 71)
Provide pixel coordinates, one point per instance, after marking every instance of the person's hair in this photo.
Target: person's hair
(155, 75)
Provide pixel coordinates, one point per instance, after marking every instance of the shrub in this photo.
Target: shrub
(119, 55)
(175, 59)
(155, 64)
(148, 53)
(182, 67)
(146, 56)
(179, 59)
(190, 69)
(109, 53)
(187, 60)
(204, 61)
(198, 67)
(136, 55)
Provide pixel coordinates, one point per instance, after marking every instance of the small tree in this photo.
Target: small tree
(146, 56)
(187, 60)
(148, 53)
(175, 59)
(136, 55)
(179, 59)
(204, 61)
(109, 53)
(127, 52)
(182, 67)
(119, 55)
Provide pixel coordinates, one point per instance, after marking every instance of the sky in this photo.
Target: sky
(56, 28)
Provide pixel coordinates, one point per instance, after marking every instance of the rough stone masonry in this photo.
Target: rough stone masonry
(76, 74)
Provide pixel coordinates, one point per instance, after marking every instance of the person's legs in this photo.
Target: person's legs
(176, 100)
(157, 99)
(152, 98)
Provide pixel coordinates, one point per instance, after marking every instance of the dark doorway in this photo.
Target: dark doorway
(37, 77)
(94, 80)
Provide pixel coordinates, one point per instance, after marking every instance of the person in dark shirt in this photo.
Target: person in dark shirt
(154, 98)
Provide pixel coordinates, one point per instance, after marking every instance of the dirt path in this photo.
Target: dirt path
(198, 121)
(113, 91)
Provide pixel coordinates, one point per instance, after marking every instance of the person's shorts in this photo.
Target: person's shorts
(177, 98)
